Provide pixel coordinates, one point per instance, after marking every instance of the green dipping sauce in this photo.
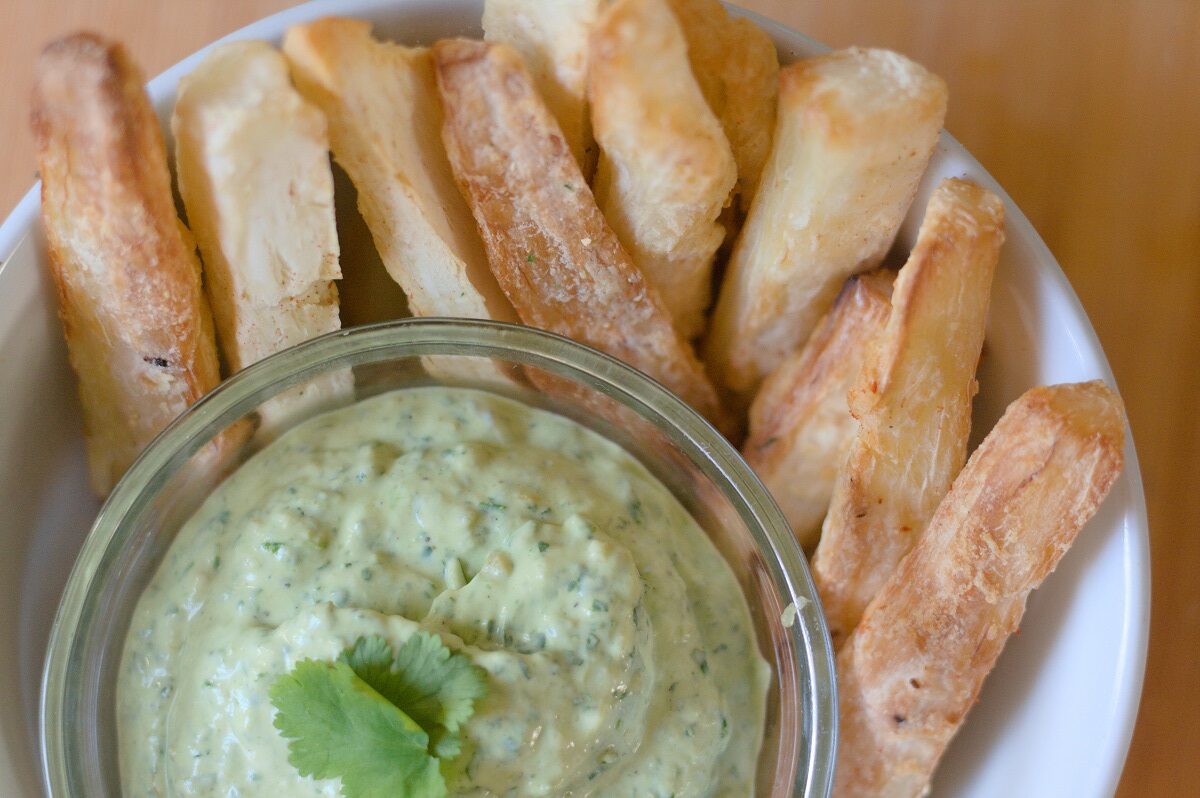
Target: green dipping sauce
(620, 654)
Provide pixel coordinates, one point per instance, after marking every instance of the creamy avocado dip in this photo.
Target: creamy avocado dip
(619, 651)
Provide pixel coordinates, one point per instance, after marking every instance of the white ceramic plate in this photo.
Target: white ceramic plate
(1055, 717)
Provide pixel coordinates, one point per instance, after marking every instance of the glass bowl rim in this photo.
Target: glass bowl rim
(518, 343)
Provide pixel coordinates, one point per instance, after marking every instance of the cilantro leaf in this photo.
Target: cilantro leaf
(384, 723)
(446, 745)
(338, 726)
(433, 686)
(371, 658)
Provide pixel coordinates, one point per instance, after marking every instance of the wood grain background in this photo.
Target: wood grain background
(1087, 111)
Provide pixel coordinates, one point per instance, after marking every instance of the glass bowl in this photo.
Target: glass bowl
(178, 470)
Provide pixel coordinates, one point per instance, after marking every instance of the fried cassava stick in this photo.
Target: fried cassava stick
(912, 402)
(665, 169)
(855, 131)
(138, 328)
(913, 668)
(385, 127)
(253, 164)
(548, 244)
(552, 38)
(737, 67)
(800, 422)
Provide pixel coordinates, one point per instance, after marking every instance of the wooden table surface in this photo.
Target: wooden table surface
(1087, 111)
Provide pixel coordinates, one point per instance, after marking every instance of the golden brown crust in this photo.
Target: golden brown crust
(912, 669)
(552, 38)
(738, 70)
(855, 131)
(138, 328)
(385, 129)
(912, 402)
(548, 244)
(665, 169)
(800, 422)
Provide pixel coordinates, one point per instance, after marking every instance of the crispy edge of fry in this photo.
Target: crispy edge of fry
(737, 67)
(800, 421)
(552, 38)
(552, 251)
(855, 131)
(913, 668)
(666, 169)
(912, 402)
(138, 328)
(385, 128)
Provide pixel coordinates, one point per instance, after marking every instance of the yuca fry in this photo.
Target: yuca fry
(253, 163)
(800, 422)
(555, 256)
(138, 329)
(665, 169)
(913, 668)
(385, 127)
(912, 402)
(552, 38)
(738, 70)
(855, 132)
